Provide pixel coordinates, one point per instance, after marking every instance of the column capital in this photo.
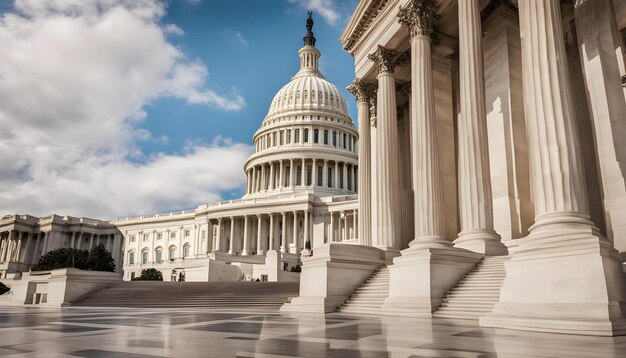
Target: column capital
(386, 60)
(420, 16)
(363, 90)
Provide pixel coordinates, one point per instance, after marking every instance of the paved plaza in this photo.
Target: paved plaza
(143, 333)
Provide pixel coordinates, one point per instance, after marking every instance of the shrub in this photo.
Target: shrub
(3, 288)
(98, 259)
(296, 268)
(150, 274)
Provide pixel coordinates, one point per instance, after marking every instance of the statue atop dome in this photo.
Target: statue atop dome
(309, 39)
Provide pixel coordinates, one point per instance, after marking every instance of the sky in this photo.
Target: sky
(111, 108)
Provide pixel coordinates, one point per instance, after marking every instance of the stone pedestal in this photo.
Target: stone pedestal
(331, 275)
(420, 278)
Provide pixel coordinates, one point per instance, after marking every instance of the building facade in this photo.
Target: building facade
(503, 121)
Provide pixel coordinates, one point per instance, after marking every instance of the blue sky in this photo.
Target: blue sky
(130, 107)
(248, 46)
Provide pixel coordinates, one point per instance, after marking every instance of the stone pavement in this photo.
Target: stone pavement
(143, 333)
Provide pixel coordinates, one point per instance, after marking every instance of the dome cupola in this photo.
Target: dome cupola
(307, 141)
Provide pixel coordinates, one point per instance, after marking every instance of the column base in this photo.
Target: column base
(420, 278)
(486, 242)
(244, 253)
(563, 278)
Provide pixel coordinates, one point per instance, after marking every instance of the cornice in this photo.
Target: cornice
(356, 28)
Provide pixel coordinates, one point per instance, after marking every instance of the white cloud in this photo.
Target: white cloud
(173, 30)
(74, 79)
(240, 38)
(328, 9)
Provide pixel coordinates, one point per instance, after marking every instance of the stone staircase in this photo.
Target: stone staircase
(222, 295)
(369, 297)
(477, 293)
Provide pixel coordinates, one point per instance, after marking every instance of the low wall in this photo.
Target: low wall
(60, 287)
(332, 274)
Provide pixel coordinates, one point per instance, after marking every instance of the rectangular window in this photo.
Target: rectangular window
(172, 235)
(159, 236)
(330, 177)
(186, 233)
(146, 237)
(159, 256)
(281, 136)
(320, 175)
(289, 136)
(306, 135)
(334, 139)
(325, 137)
(144, 257)
(309, 176)
(349, 179)
(340, 178)
(316, 136)
(299, 175)
(131, 258)
(131, 238)
(344, 141)
(296, 138)
(274, 139)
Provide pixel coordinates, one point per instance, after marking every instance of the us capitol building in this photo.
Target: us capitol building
(490, 165)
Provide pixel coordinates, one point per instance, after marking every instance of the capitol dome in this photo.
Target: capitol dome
(307, 141)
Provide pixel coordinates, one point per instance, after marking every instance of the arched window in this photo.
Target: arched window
(186, 250)
(159, 255)
(131, 258)
(144, 256)
(296, 136)
(172, 253)
(306, 135)
(326, 136)
(334, 138)
(316, 136)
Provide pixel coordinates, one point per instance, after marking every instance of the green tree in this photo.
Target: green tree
(62, 258)
(3, 288)
(100, 259)
(150, 274)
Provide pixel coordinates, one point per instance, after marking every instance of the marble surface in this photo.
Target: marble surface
(143, 333)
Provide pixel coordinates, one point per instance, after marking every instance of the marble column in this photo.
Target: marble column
(271, 233)
(313, 174)
(271, 183)
(306, 227)
(295, 231)
(246, 239)
(475, 200)
(385, 232)
(427, 184)
(218, 235)
(254, 189)
(331, 228)
(231, 246)
(33, 258)
(325, 174)
(292, 174)
(259, 231)
(562, 240)
(336, 175)
(281, 175)
(303, 173)
(263, 179)
(283, 236)
(602, 63)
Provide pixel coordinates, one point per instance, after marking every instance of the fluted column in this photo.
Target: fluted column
(303, 178)
(292, 174)
(313, 174)
(419, 16)
(475, 201)
(364, 93)
(325, 174)
(306, 227)
(218, 235)
(231, 246)
(259, 226)
(246, 239)
(336, 175)
(295, 231)
(263, 179)
(254, 186)
(281, 176)
(386, 229)
(283, 236)
(331, 229)
(345, 176)
(272, 184)
(271, 233)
